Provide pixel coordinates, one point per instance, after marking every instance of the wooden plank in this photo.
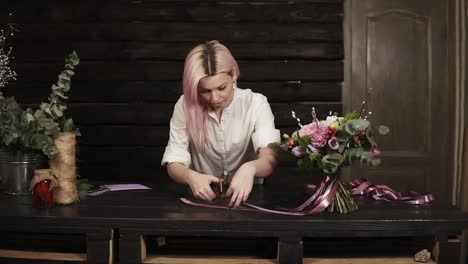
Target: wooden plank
(206, 260)
(170, 70)
(125, 172)
(391, 260)
(120, 156)
(150, 136)
(42, 255)
(253, 260)
(27, 51)
(124, 135)
(202, 11)
(181, 31)
(282, 111)
(160, 114)
(169, 91)
(119, 114)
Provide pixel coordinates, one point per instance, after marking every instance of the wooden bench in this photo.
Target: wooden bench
(136, 215)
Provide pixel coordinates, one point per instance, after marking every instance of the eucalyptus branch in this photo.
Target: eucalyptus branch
(62, 87)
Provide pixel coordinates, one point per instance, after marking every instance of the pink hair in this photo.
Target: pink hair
(199, 64)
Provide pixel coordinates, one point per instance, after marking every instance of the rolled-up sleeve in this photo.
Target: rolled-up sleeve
(265, 131)
(177, 149)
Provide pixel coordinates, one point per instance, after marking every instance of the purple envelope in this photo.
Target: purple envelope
(117, 187)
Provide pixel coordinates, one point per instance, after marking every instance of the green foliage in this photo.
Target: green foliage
(355, 126)
(83, 185)
(383, 130)
(332, 162)
(350, 116)
(28, 129)
(361, 155)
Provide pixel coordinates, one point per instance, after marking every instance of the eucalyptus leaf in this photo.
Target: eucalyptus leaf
(28, 118)
(52, 131)
(383, 130)
(332, 162)
(38, 113)
(68, 126)
(355, 126)
(57, 111)
(56, 87)
(83, 186)
(47, 110)
(332, 159)
(59, 94)
(64, 77)
(73, 58)
(69, 72)
(375, 161)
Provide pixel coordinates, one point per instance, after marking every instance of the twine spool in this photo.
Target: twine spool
(63, 168)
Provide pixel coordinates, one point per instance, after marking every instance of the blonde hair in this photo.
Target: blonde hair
(207, 59)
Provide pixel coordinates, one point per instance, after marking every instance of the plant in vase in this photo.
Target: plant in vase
(26, 132)
(330, 145)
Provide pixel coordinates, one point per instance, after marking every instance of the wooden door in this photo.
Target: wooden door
(402, 51)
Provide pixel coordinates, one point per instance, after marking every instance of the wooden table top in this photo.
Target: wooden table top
(159, 209)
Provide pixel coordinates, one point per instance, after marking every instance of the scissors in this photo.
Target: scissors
(221, 187)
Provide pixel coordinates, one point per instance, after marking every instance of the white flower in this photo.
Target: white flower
(331, 119)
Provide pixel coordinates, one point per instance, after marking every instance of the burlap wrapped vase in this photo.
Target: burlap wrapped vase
(63, 167)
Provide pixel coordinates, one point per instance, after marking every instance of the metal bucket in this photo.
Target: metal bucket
(17, 169)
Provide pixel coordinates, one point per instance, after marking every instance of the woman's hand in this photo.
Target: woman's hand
(241, 184)
(200, 185)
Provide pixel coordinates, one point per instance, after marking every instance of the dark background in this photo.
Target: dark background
(132, 55)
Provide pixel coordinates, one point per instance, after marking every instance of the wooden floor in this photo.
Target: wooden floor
(42, 255)
(247, 260)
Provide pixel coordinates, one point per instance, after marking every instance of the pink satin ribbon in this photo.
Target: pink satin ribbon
(315, 204)
(363, 186)
(324, 195)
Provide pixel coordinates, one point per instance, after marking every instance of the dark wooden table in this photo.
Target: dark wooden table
(158, 212)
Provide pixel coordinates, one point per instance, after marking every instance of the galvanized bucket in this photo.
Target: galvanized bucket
(17, 169)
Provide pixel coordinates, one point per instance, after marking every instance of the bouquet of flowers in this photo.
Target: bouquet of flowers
(329, 145)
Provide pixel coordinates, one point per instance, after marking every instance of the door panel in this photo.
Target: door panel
(399, 53)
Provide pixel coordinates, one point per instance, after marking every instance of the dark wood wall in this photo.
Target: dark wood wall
(132, 54)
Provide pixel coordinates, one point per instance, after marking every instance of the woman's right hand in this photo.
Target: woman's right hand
(200, 185)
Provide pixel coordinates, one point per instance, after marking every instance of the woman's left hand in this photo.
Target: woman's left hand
(241, 184)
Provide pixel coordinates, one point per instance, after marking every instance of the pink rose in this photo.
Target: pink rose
(317, 133)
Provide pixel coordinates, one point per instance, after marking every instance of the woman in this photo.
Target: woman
(218, 130)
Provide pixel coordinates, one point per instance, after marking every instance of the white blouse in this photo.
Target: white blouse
(246, 125)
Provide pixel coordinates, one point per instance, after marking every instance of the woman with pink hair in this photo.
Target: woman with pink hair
(219, 131)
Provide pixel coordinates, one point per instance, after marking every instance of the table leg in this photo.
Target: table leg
(99, 246)
(290, 250)
(132, 248)
(449, 250)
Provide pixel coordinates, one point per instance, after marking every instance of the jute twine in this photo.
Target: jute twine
(64, 169)
(41, 175)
